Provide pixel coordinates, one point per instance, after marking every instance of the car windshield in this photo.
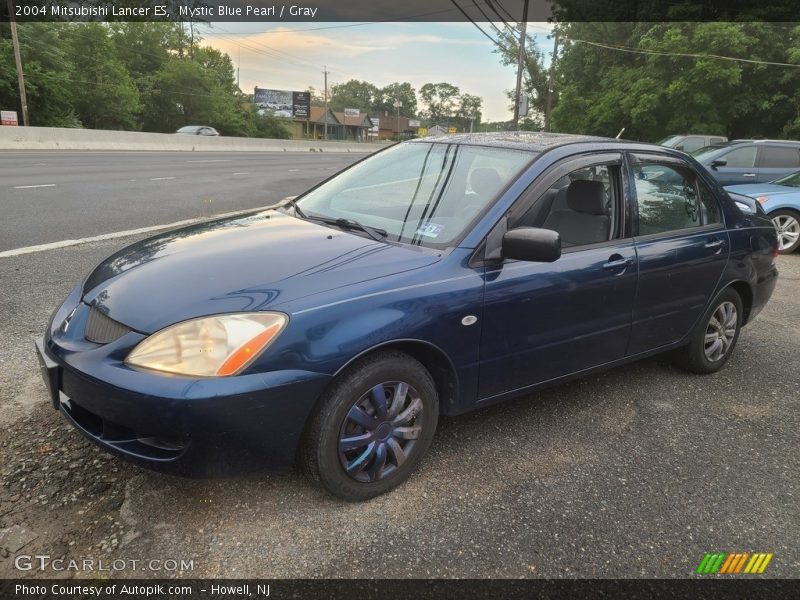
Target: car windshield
(790, 180)
(425, 194)
(706, 150)
(666, 141)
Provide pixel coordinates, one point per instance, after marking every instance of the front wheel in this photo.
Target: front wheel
(787, 224)
(372, 427)
(715, 337)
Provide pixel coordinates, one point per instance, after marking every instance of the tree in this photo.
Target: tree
(49, 70)
(440, 100)
(105, 96)
(468, 113)
(404, 92)
(656, 79)
(353, 94)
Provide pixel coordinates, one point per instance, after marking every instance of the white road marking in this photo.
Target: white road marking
(161, 178)
(121, 234)
(241, 173)
(293, 170)
(27, 187)
(211, 161)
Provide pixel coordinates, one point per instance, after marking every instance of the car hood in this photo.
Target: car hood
(251, 262)
(761, 189)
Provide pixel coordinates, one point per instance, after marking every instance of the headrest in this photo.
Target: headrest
(586, 196)
(485, 182)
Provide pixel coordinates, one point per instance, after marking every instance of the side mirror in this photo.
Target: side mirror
(532, 244)
(679, 147)
(719, 162)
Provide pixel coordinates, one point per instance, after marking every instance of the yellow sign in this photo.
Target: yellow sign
(452, 130)
(422, 131)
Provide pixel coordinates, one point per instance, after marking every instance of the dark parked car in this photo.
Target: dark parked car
(750, 161)
(691, 142)
(434, 277)
(198, 130)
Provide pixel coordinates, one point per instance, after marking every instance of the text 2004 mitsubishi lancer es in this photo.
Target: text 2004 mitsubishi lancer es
(434, 277)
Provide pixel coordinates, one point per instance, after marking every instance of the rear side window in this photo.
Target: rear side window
(717, 140)
(667, 198)
(741, 158)
(778, 157)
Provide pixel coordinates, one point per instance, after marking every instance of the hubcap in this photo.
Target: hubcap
(788, 229)
(380, 431)
(720, 331)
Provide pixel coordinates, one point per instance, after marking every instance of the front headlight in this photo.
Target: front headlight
(216, 346)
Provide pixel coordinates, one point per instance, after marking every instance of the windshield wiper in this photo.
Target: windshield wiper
(292, 203)
(375, 233)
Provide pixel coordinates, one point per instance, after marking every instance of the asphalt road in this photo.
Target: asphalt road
(51, 196)
(636, 472)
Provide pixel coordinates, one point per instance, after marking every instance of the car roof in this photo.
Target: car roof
(537, 141)
(760, 141)
(540, 142)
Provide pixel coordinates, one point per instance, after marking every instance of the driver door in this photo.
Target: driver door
(543, 321)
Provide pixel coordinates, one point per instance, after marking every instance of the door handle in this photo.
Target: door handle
(715, 243)
(615, 261)
(748, 175)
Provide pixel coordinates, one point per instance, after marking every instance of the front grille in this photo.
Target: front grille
(101, 329)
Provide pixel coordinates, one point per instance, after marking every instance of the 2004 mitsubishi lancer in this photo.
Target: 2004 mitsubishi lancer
(434, 277)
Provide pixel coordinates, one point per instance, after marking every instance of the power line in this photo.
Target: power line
(683, 54)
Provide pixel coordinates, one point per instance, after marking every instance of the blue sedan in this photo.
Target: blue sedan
(432, 278)
(780, 199)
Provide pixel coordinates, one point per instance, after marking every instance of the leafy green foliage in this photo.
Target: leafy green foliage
(132, 76)
(648, 85)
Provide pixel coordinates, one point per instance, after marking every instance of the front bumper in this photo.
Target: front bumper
(183, 425)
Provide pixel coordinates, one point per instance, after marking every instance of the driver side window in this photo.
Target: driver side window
(580, 206)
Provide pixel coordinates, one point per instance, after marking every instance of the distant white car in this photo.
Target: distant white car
(198, 130)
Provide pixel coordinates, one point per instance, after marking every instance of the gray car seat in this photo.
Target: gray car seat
(585, 220)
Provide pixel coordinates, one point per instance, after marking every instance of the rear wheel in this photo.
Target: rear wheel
(787, 224)
(372, 427)
(715, 337)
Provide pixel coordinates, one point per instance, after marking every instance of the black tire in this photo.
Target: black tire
(332, 426)
(787, 224)
(699, 356)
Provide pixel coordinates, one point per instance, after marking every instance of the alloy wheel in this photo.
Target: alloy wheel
(720, 332)
(380, 431)
(788, 229)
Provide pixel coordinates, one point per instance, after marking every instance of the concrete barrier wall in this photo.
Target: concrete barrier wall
(57, 138)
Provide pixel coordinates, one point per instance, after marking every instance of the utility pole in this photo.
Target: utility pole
(239, 70)
(325, 72)
(520, 60)
(18, 59)
(550, 78)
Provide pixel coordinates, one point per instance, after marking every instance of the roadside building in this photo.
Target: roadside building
(437, 130)
(340, 127)
(390, 127)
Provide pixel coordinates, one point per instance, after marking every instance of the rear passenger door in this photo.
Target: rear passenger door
(682, 248)
(775, 161)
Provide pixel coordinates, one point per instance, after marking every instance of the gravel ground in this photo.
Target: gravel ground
(636, 472)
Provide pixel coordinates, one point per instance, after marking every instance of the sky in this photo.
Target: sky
(293, 56)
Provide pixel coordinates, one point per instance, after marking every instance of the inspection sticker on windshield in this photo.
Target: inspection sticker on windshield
(430, 230)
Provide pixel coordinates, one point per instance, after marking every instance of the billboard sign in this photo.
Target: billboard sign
(413, 123)
(376, 125)
(422, 131)
(8, 117)
(283, 103)
(352, 112)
